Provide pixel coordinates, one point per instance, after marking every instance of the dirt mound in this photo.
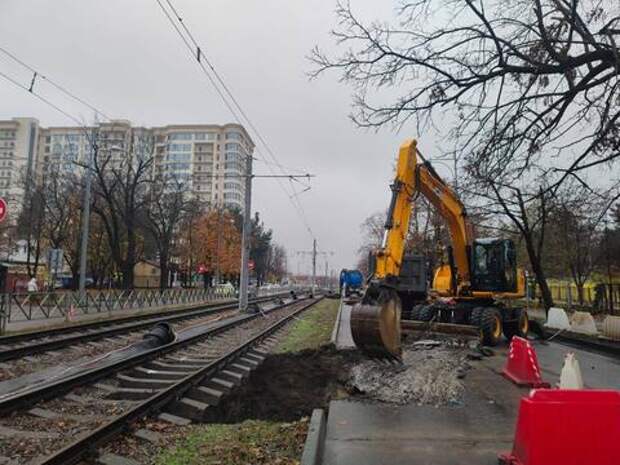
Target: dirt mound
(289, 386)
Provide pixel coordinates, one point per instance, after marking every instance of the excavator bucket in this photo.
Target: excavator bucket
(375, 325)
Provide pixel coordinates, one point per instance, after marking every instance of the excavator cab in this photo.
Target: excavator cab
(494, 265)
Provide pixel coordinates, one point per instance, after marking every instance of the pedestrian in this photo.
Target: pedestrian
(32, 285)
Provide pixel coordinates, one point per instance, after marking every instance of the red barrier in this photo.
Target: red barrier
(522, 364)
(567, 427)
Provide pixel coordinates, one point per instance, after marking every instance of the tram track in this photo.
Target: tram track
(183, 377)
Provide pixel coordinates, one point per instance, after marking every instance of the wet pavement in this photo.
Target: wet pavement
(474, 432)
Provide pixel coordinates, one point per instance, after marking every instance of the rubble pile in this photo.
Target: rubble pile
(430, 374)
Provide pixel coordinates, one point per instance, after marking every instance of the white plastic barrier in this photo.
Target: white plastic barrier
(571, 378)
(557, 319)
(582, 322)
(611, 327)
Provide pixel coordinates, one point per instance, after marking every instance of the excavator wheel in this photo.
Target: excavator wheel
(415, 311)
(375, 324)
(490, 326)
(427, 312)
(519, 327)
(476, 313)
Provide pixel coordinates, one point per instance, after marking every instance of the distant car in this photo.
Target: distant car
(66, 282)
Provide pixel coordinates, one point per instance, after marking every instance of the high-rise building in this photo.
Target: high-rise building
(18, 157)
(209, 161)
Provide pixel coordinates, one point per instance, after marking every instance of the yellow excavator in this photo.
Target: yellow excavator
(476, 287)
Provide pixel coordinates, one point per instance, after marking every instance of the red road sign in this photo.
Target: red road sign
(202, 269)
(4, 209)
(250, 265)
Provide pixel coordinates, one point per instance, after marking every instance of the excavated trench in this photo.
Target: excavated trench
(289, 386)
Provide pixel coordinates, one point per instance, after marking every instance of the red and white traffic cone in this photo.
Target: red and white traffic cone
(522, 365)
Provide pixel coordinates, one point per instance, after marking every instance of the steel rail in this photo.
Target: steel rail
(28, 397)
(140, 322)
(76, 451)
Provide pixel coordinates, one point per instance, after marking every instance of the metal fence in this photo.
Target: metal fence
(43, 305)
(20, 307)
(595, 297)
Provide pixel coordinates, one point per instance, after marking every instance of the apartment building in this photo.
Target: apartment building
(208, 160)
(212, 159)
(18, 157)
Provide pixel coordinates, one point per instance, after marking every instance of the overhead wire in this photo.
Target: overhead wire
(198, 54)
(43, 99)
(39, 74)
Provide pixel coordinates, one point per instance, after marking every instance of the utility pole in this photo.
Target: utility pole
(217, 250)
(245, 239)
(247, 228)
(86, 217)
(314, 254)
(326, 277)
(610, 293)
(313, 265)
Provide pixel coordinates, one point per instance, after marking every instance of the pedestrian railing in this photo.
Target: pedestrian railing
(16, 307)
(43, 305)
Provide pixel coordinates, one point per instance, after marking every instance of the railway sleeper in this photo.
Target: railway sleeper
(255, 356)
(131, 394)
(143, 383)
(159, 374)
(174, 419)
(183, 360)
(232, 376)
(243, 370)
(219, 384)
(189, 408)
(206, 394)
(159, 365)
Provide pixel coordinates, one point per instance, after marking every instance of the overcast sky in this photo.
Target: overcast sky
(125, 58)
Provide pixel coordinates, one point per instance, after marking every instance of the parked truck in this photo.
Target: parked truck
(351, 281)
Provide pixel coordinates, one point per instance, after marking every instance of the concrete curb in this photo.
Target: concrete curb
(583, 341)
(334, 337)
(315, 440)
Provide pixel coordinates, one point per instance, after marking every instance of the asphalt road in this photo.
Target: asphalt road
(472, 433)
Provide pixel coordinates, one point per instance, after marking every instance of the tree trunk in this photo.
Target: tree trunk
(127, 272)
(580, 293)
(539, 274)
(163, 270)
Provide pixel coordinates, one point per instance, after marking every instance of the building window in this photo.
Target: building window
(180, 147)
(233, 136)
(180, 136)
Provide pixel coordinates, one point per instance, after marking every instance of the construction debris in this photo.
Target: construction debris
(430, 374)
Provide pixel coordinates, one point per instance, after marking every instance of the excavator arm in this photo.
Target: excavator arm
(375, 322)
(389, 256)
(445, 200)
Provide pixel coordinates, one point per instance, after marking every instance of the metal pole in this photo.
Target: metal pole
(245, 239)
(217, 250)
(313, 264)
(326, 278)
(86, 218)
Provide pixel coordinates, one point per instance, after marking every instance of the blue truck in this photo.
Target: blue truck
(352, 281)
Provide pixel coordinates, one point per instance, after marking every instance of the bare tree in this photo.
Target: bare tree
(30, 224)
(508, 77)
(372, 229)
(576, 214)
(122, 165)
(169, 200)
